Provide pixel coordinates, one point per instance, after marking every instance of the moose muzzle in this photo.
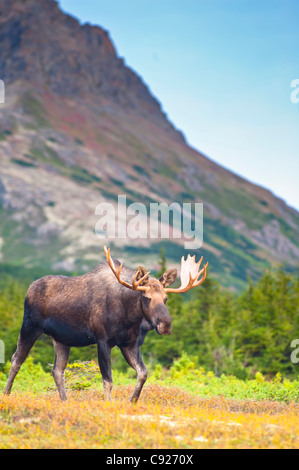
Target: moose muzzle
(162, 320)
(163, 328)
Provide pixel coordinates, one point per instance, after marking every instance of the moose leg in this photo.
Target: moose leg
(133, 357)
(26, 340)
(62, 353)
(104, 357)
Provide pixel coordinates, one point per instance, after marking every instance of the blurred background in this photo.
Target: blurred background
(162, 103)
(222, 71)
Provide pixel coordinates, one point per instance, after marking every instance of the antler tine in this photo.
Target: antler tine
(181, 290)
(200, 281)
(109, 259)
(135, 285)
(115, 271)
(194, 280)
(118, 271)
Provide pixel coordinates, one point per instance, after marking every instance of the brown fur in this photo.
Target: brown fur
(93, 309)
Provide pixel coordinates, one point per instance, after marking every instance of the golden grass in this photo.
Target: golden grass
(164, 418)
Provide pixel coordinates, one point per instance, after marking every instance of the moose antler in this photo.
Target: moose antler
(190, 275)
(135, 284)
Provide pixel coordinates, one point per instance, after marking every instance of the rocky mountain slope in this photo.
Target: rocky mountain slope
(79, 128)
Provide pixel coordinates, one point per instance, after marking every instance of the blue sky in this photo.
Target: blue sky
(222, 71)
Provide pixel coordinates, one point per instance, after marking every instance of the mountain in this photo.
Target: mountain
(79, 127)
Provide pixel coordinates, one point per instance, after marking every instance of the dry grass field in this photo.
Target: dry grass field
(164, 418)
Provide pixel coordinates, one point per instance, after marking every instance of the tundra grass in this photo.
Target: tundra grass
(164, 418)
(182, 407)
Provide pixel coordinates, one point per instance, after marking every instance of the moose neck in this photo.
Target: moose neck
(132, 302)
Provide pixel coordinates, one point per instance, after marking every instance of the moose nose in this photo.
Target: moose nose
(164, 328)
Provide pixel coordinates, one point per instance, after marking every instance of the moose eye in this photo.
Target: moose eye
(147, 300)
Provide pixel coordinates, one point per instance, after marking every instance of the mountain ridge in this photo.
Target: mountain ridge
(69, 63)
(80, 127)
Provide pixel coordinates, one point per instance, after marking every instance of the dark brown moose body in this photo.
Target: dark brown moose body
(82, 310)
(96, 308)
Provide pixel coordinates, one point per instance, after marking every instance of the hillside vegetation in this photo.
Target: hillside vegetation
(224, 333)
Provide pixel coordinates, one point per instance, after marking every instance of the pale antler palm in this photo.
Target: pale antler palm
(190, 274)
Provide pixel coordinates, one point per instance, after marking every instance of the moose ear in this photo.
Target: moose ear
(168, 277)
(141, 271)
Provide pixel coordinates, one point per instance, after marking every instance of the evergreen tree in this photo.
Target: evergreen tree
(162, 263)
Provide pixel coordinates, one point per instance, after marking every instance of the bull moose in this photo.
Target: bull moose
(110, 306)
